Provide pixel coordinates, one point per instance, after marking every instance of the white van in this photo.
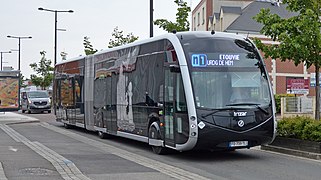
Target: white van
(35, 101)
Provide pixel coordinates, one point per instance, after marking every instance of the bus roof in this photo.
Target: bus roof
(169, 36)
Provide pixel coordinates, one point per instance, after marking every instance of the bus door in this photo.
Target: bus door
(111, 104)
(176, 118)
(71, 110)
(169, 116)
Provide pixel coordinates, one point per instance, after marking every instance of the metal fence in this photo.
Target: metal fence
(297, 106)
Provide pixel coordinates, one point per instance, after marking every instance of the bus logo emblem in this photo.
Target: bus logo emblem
(240, 123)
(199, 60)
(237, 114)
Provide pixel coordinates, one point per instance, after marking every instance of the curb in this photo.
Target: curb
(23, 122)
(293, 152)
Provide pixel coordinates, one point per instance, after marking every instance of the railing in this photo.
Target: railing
(293, 106)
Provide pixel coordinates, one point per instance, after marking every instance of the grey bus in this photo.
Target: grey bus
(181, 91)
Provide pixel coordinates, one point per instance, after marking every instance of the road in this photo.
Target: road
(44, 149)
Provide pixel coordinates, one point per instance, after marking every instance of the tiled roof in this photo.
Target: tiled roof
(246, 23)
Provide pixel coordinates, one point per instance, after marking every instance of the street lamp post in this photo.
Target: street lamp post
(19, 38)
(56, 12)
(151, 30)
(3, 52)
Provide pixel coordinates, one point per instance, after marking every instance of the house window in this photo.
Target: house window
(198, 19)
(203, 15)
(194, 23)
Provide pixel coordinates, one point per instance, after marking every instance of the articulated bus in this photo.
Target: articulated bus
(181, 91)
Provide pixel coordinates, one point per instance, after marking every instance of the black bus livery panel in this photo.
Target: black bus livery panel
(181, 91)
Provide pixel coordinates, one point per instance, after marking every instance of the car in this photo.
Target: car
(35, 101)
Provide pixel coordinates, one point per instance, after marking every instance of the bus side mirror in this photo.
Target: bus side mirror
(174, 68)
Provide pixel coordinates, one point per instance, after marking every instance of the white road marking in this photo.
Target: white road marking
(65, 167)
(170, 170)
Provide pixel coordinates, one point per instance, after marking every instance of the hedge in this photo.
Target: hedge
(300, 127)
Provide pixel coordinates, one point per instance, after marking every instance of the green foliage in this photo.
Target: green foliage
(88, 46)
(181, 24)
(120, 39)
(63, 55)
(299, 36)
(22, 80)
(44, 71)
(312, 131)
(300, 128)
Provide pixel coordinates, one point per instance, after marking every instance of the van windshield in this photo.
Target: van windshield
(38, 94)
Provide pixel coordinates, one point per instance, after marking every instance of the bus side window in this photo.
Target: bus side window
(180, 95)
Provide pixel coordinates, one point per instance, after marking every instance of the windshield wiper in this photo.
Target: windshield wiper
(217, 110)
(250, 104)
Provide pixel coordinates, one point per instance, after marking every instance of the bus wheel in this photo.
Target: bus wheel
(154, 134)
(102, 135)
(67, 126)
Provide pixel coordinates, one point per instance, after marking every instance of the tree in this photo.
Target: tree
(120, 39)
(299, 37)
(181, 24)
(88, 46)
(44, 71)
(22, 80)
(63, 55)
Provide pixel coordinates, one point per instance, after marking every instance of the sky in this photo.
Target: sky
(93, 18)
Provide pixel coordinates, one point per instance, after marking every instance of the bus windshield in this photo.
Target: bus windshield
(226, 72)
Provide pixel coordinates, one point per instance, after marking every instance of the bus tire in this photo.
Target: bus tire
(103, 135)
(67, 126)
(153, 133)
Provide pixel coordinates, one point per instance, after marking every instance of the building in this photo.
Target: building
(236, 16)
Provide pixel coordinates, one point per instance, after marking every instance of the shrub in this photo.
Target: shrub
(300, 127)
(312, 131)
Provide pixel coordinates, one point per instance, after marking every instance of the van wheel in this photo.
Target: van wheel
(154, 134)
(29, 112)
(49, 111)
(23, 111)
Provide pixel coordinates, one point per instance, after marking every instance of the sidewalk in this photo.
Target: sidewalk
(18, 158)
(11, 117)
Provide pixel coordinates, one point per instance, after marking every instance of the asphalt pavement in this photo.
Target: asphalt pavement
(31, 149)
(34, 149)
